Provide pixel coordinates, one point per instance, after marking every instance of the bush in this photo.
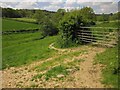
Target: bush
(49, 30)
(68, 27)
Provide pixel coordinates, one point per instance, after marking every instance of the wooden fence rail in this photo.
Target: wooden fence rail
(105, 36)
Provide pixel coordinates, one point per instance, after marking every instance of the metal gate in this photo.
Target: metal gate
(104, 36)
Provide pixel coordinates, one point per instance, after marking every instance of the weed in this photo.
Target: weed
(56, 71)
(37, 77)
(108, 58)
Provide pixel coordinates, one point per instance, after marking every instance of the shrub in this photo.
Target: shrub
(49, 29)
(68, 27)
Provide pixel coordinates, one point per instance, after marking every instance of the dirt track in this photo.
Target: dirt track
(89, 75)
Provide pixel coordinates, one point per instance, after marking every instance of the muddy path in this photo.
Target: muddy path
(89, 74)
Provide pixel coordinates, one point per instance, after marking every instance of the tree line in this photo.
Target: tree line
(61, 22)
(30, 13)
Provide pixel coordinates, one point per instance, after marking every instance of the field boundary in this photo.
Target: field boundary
(21, 31)
(21, 21)
(104, 36)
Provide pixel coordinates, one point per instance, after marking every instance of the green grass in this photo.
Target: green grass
(110, 59)
(25, 20)
(108, 24)
(59, 60)
(104, 33)
(61, 69)
(20, 49)
(105, 24)
(9, 25)
(56, 71)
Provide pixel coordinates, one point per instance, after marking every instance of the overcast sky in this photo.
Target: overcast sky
(99, 6)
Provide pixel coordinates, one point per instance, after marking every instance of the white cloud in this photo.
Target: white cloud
(28, 5)
(57, 3)
(3, 5)
(6, 4)
(79, 1)
(51, 8)
(109, 8)
(69, 8)
(99, 7)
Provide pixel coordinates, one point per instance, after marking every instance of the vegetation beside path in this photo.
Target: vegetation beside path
(109, 59)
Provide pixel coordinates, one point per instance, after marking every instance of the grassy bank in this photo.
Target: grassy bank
(109, 58)
(19, 49)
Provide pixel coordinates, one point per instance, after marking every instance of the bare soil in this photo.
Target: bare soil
(88, 76)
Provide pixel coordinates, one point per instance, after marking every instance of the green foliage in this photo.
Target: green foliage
(114, 16)
(87, 13)
(110, 59)
(29, 20)
(56, 71)
(103, 17)
(37, 77)
(8, 25)
(56, 17)
(107, 17)
(39, 16)
(48, 28)
(10, 13)
(58, 60)
(68, 27)
(113, 24)
(61, 69)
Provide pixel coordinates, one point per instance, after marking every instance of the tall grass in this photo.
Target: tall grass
(109, 58)
(19, 49)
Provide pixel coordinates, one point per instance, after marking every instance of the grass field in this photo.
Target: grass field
(108, 24)
(9, 25)
(25, 20)
(19, 49)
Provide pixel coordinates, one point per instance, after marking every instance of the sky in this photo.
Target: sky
(99, 6)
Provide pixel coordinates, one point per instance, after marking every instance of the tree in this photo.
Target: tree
(61, 11)
(105, 17)
(87, 13)
(114, 16)
(39, 15)
(46, 24)
(10, 13)
(68, 27)
(56, 17)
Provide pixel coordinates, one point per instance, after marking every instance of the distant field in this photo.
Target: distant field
(19, 49)
(105, 27)
(25, 19)
(108, 24)
(9, 25)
